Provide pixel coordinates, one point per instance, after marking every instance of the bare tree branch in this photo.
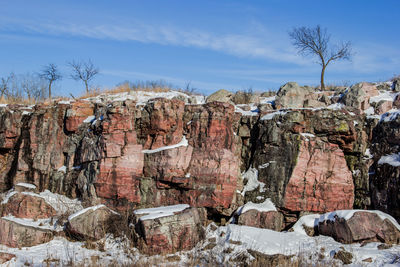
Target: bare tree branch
(84, 71)
(315, 41)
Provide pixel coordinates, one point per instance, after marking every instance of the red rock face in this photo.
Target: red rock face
(122, 164)
(162, 123)
(269, 220)
(205, 173)
(321, 180)
(78, 112)
(23, 205)
(181, 231)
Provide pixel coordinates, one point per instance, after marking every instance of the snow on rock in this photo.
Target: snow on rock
(270, 116)
(267, 205)
(62, 169)
(26, 185)
(61, 252)
(307, 136)
(386, 96)
(390, 115)
(7, 196)
(78, 213)
(266, 241)
(309, 221)
(89, 119)
(46, 224)
(347, 214)
(153, 213)
(61, 203)
(183, 142)
(267, 100)
(252, 112)
(392, 159)
(252, 181)
(336, 106)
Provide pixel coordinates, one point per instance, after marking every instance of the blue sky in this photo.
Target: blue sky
(212, 44)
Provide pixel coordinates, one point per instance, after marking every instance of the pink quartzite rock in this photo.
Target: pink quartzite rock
(22, 205)
(78, 112)
(363, 226)
(168, 234)
(383, 107)
(321, 180)
(14, 234)
(262, 219)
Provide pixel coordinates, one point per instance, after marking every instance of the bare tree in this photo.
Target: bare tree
(4, 86)
(315, 41)
(32, 85)
(51, 74)
(84, 71)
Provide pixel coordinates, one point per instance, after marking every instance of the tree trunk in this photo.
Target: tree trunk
(322, 77)
(49, 90)
(87, 87)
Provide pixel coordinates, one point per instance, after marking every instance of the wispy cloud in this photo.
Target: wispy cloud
(241, 45)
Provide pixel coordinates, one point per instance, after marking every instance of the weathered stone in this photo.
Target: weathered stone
(359, 94)
(220, 96)
(245, 97)
(383, 106)
(362, 226)
(26, 205)
(262, 219)
(14, 234)
(168, 234)
(291, 95)
(92, 223)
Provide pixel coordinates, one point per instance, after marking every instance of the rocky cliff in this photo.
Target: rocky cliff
(306, 151)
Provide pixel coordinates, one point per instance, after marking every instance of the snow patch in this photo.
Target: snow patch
(93, 208)
(336, 106)
(45, 224)
(7, 196)
(183, 142)
(26, 185)
(89, 119)
(390, 115)
(266, 206)
(270, 116)
(252, 112)
(392, 159)
(163, 211)
(386, 96)
(306, 220)
(251, 175)
(62, 169)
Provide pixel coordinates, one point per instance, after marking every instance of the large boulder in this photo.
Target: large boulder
(93, 223)
(169, 229)
(220, 96)
(19, 234)
(292, 95)
(262, 215)
(27, 205)
(245, 97)
(359, 94)
(350, 226)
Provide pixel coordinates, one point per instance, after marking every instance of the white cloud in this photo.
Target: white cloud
(241, 45)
